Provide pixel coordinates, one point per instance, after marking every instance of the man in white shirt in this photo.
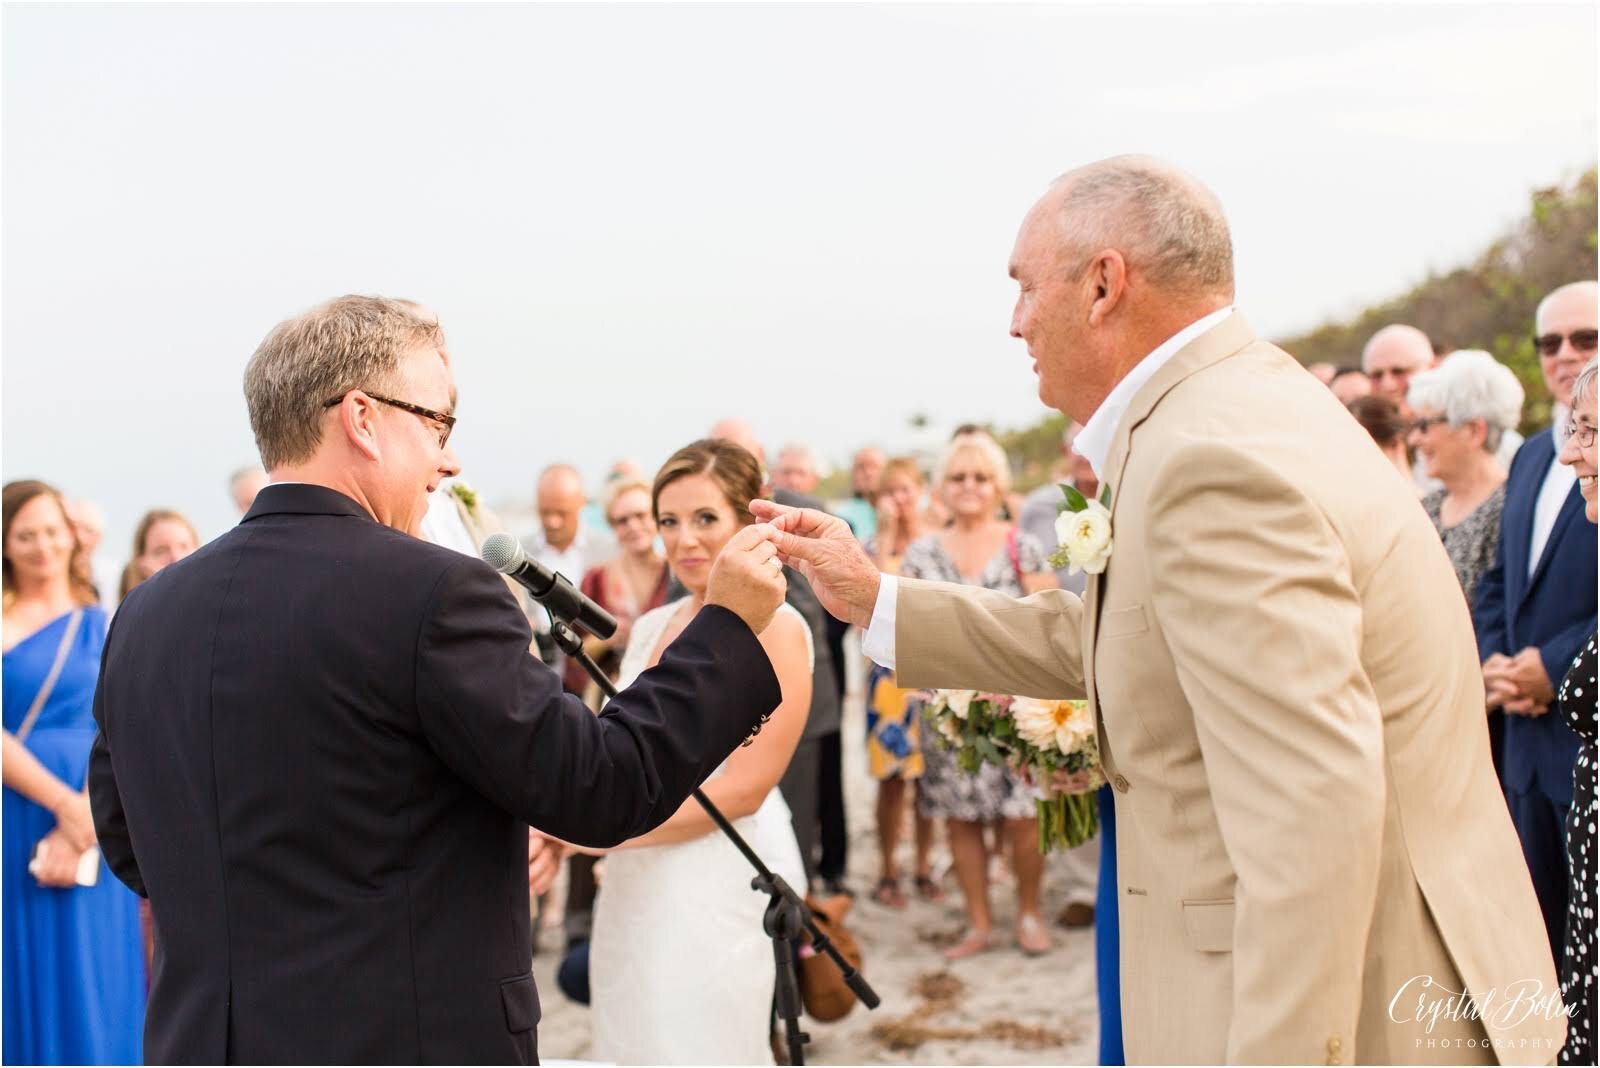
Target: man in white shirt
(564, 543)
(1281, 666)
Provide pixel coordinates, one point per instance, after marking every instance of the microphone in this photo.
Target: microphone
(550, 588)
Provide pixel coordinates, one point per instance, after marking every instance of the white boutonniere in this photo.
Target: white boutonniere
(1083, 528)
(466, 495)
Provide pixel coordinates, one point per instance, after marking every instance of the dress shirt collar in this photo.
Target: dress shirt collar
(1093, 442)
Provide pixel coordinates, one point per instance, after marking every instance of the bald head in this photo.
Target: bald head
(560, 500)
(740, 433)
(1572, 309)
(1168, 227)
(1392, 356)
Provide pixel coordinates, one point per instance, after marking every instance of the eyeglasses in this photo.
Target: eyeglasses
(1583, 435)
(1582, 341)
(447, 421)
(1420, 426)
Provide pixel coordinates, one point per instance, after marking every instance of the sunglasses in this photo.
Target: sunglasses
(1582, 341)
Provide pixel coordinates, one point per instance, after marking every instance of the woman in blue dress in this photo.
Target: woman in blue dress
(74, 965)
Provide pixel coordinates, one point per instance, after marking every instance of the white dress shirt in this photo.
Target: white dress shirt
(1558, 482)
(442, 523)
(589, 548)
(1093, 443)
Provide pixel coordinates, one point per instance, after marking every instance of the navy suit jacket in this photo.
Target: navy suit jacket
(321, 744)
(1553, 610)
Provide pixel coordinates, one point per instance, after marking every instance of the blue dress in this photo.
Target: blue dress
(74, 959)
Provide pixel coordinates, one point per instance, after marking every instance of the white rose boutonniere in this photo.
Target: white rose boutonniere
(1084, 531)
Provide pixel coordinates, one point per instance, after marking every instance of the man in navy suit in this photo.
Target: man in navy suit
(1536, 607)
(323, 740)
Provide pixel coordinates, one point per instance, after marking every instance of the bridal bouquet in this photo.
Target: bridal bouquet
(1052, 744)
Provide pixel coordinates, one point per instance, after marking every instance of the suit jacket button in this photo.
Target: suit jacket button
(1121, 784)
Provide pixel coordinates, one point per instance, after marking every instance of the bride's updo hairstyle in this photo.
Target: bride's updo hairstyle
(731, 466)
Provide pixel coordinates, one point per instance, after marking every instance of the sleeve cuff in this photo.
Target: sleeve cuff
(878, 643)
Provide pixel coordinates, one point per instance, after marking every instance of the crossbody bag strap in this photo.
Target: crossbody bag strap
(50, 680)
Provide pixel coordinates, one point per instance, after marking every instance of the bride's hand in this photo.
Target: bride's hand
(544, 861)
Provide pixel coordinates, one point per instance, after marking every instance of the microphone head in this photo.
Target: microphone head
(503, 552)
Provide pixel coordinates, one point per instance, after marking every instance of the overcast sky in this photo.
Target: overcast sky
(636, 220)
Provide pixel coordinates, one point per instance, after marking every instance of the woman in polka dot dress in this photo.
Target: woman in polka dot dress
(1580, 967)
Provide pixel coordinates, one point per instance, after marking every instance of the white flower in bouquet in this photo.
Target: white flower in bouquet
(960, 701)
(1060, 725)
(1085, 537)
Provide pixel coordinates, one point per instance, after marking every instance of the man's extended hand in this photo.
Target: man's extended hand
(747, 577)
(821, 547)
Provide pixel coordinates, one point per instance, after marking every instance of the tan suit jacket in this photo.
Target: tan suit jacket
(1292, 716)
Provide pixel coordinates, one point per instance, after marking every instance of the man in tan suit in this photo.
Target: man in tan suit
(1312, 850)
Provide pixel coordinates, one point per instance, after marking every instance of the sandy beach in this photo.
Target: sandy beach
(998, 1007)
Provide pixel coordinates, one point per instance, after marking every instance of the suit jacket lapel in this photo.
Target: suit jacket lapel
(1516, 526)
(1571, 509)
(1221, 341)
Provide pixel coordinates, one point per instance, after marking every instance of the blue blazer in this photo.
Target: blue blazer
(1553, 609)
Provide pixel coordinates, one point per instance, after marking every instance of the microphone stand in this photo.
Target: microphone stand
(786, 911)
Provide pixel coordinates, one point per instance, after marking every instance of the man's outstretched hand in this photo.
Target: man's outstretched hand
(821, 547)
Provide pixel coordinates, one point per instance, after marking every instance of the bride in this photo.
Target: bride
(680, 970)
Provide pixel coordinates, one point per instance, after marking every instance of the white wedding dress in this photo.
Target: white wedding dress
(680, 970)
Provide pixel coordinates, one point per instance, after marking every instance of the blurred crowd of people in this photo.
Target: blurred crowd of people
(1511, 514)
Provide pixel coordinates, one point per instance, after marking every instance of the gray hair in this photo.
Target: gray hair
(795, 448)
(1471, 384)
(985, 447)
(351, 342)
(1168, 225)
(1583, 385)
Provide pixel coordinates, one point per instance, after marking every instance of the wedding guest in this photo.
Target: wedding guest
(1349, 384)
(244, 484)
(681, 969)
(1580, 968)
(981, 550)
(89, 523)
(1461, 410)
(563, 543)
(866, 471)
(796, 469)
(162, 537)
(894, 731)
(1323, 372)
(1380, 417)
(1391, 357)
(1535, 606)
(629, 584)
(74, 966)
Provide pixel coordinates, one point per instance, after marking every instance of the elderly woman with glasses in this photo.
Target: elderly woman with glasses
(1461, 411)
(1580, 965)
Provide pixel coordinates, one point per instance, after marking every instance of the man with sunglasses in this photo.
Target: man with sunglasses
(1536, 606)
(323, 740)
